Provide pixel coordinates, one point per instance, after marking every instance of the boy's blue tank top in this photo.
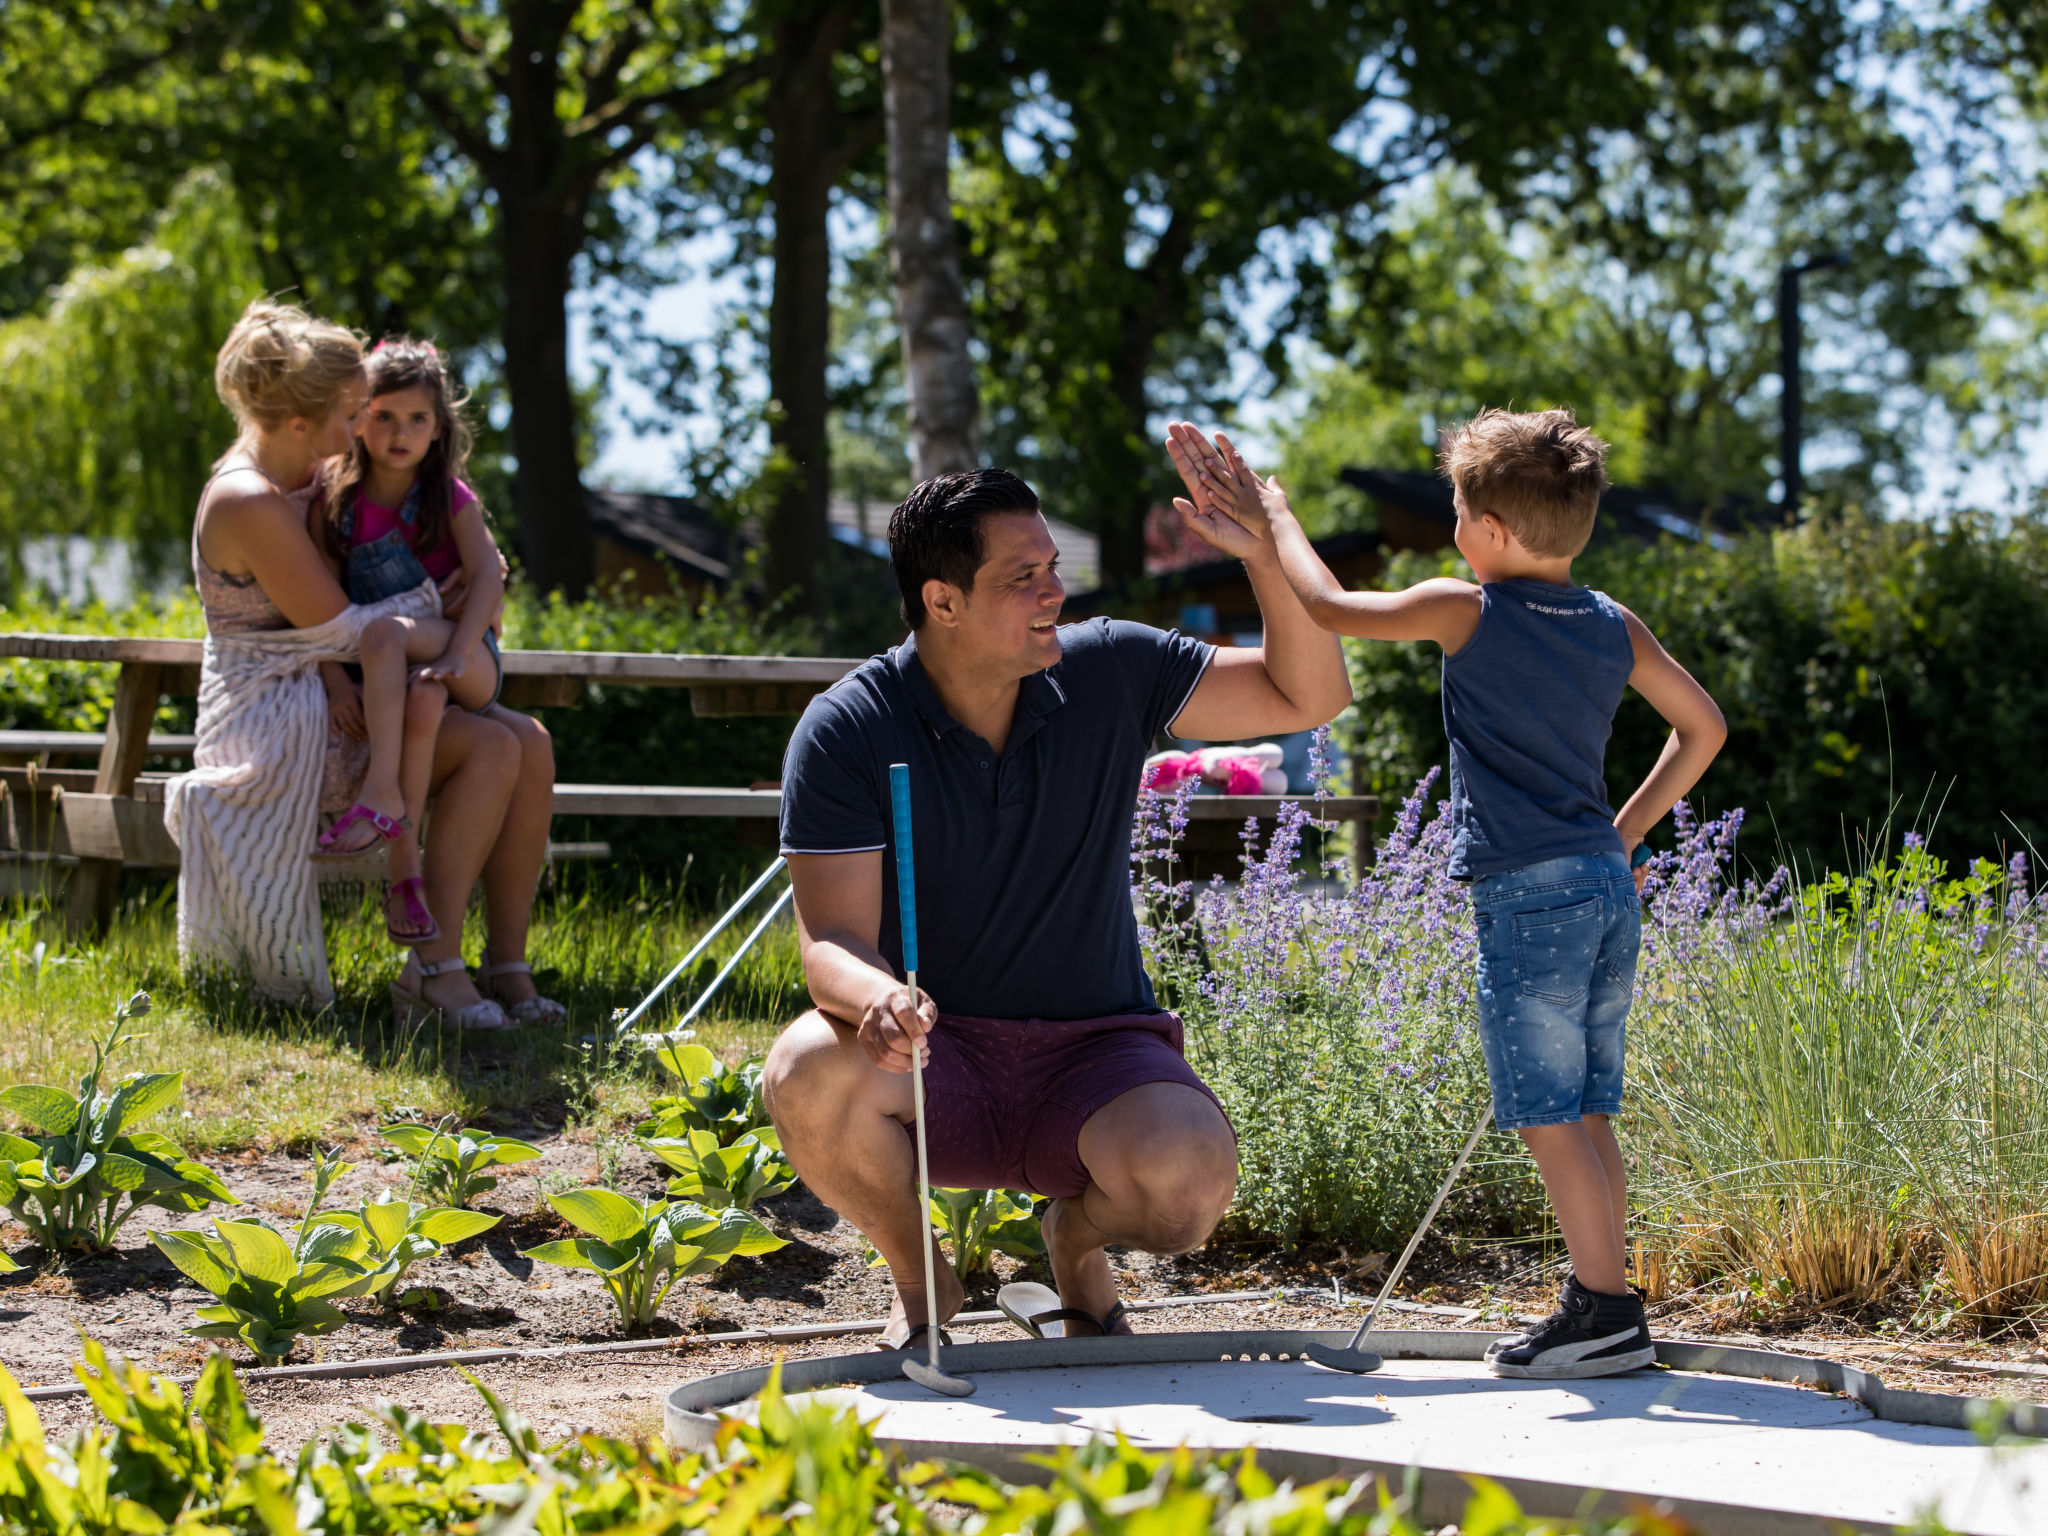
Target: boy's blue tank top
(1529, 703)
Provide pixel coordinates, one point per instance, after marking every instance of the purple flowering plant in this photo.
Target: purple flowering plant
(1833, 1077)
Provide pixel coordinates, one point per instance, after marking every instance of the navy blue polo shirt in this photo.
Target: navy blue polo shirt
(1023, 860)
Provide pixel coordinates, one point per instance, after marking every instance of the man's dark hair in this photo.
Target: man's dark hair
(937, 533)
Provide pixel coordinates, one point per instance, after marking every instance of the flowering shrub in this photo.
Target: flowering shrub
(1838, 1082)
(1336, 1025)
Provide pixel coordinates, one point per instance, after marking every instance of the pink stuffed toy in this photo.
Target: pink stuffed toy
(1253, 770)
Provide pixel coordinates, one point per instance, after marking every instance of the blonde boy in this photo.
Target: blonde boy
(1534, 669)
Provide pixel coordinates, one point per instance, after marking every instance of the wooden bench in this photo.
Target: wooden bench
(112, 813)
(117, 817)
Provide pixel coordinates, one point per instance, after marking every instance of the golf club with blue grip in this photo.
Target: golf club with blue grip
(906, 906)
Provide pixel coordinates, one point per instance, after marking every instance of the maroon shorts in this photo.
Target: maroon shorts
(1005, 1099)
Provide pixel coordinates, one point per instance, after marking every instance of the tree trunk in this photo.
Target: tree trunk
(540, 230)
(554, 523)
(931, 306)
(802, 166)
(1135, 457)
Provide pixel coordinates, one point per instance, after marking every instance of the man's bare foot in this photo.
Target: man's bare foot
(1080, 1267)
(909, 1308)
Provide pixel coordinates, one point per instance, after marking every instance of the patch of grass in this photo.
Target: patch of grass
(261, 1076)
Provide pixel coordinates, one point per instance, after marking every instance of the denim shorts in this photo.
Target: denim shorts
(386, 567)
(1557, 969)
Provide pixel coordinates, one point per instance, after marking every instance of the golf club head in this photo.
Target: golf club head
(1357, 1361)
(937, 1381)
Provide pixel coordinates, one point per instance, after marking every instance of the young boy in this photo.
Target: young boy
(1534, 668)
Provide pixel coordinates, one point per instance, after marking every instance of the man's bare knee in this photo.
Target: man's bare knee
(805, 1080)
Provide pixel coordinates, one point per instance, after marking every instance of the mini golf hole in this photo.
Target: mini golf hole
(1273, 1418)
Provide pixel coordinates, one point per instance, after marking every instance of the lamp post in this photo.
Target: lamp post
(1788, 367)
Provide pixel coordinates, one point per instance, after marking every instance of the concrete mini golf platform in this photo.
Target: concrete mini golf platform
(1740, 1457)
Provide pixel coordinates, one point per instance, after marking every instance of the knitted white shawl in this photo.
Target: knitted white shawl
(244, 819)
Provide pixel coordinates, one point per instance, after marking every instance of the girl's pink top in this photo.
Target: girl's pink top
(374, 521)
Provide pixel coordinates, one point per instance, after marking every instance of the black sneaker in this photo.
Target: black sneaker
(1588, 1335)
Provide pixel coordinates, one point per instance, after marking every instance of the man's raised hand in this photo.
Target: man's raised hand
(890, 1029)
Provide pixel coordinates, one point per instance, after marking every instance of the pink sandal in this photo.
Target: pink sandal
(388, 826)
(412, 891)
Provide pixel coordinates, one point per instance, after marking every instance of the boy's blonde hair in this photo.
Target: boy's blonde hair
(1539, 472)
(279, 362)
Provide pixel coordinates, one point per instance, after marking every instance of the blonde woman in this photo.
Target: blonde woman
(268, 761)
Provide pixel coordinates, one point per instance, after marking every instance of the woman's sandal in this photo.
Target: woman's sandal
(411, 1004)
(412, 892)
(917, 1331)
(387, 826)
(1036, 1309)
(528, 1010)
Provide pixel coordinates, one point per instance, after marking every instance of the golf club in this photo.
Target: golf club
(1351, 1357)
(925, 1375)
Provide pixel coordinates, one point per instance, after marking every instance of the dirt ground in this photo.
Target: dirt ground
(137, 1304)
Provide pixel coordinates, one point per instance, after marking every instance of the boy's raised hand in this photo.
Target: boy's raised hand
(1230, 505)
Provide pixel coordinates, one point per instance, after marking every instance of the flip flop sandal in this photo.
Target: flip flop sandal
(1036, 1309)
(387, 826)
(917, 1331)
(412, 893)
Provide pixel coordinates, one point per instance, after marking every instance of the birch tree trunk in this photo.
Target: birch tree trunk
(931, 305)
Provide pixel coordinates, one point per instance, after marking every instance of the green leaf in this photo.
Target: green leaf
(567, 1251)
(206, 1182)
(123, 1173)
(690, 1062)
(51, 1109)
(259, 1252)
(143, 1095)
(190, 1254)
(18, 1149)
(386, 1221)
(84, 1166)
(602, 1213)
(445, 1226)
(500, 1151)
(413, 1140)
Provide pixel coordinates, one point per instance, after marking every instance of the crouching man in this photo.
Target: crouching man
(1049, 1066)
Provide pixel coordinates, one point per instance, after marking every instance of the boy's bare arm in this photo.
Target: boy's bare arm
(1697, 732)
(1441, 609)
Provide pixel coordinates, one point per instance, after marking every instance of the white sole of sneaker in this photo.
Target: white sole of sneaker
(1576, 1370)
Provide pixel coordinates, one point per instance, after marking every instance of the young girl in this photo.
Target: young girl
(394, 513)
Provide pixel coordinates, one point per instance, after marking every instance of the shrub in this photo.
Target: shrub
(723, 1100)
(981, 1223)
(640, 1248)
(752, 1168)
(398, 1234)
(1839, 1078)
(450, 1165)
(1336, 1027)
(1858, 659)
(157, 1462)
(76, 1184)
(270, 1291)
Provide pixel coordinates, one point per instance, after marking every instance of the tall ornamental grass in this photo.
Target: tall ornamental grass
(1838, 1080)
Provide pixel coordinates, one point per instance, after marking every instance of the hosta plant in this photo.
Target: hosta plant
(85, 1168)
(978, 1224)
(714, 1097)
(449, 1166)
(398, 1234)
(268, 1290)
(752, 1168)
(642, 1247)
